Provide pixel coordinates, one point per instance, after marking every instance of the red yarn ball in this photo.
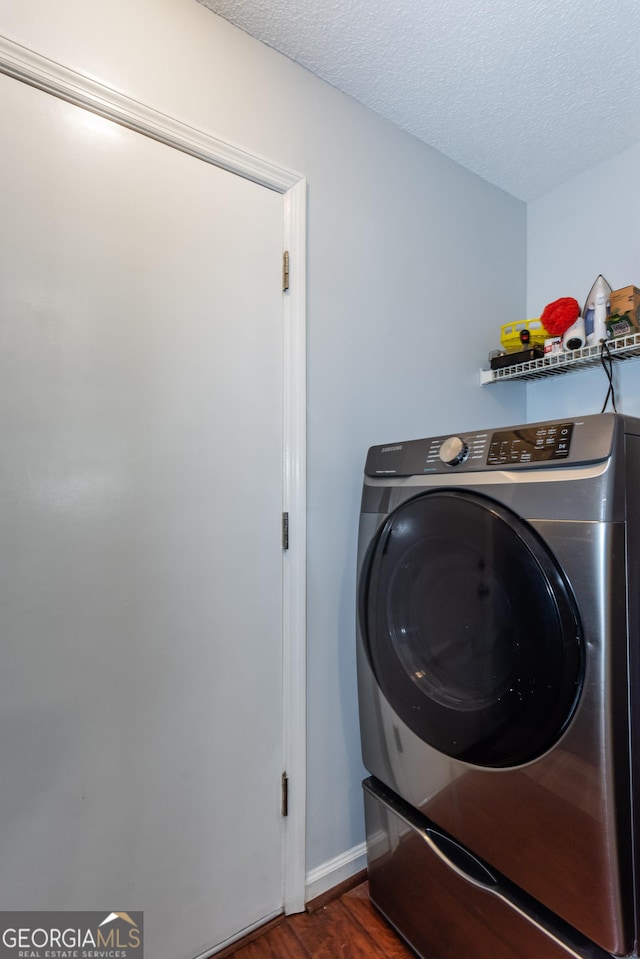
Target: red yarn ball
(558, 316)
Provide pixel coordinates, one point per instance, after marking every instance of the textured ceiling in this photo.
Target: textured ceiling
(525, 93)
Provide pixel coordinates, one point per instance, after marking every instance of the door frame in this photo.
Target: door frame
(54, 78)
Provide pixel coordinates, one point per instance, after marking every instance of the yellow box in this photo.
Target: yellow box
(626, 302)
(510, 335)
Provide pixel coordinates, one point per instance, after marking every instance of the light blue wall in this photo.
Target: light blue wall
(413, 265)
(585, 227)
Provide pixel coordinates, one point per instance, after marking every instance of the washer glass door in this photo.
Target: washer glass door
(471, 629)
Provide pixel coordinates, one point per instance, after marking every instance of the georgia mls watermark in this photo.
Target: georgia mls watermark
(71, 935)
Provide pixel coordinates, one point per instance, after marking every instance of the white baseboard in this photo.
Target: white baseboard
(335, 871)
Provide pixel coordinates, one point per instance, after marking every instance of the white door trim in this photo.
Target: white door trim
(54, 78)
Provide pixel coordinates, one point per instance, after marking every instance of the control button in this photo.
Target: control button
(453, 451)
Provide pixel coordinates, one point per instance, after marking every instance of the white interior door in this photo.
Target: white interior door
(140, 512)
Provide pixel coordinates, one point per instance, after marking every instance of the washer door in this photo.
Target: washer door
(471, 629)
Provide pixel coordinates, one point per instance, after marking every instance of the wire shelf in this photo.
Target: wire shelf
(622, 348)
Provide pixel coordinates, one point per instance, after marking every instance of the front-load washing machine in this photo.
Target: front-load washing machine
(498, 662)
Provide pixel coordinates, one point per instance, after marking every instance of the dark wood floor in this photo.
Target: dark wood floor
(348, 927)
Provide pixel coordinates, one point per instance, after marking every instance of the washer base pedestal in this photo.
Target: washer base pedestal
(447, 904)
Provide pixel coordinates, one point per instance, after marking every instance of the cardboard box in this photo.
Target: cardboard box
(626, 303)
(620, 326)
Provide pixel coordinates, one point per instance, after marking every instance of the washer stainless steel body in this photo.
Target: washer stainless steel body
(498, 635)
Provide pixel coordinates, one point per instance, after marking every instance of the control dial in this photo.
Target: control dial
(453, 451)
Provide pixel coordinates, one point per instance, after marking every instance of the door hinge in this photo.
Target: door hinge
(285, 271)
(285, 795)
(285, 531)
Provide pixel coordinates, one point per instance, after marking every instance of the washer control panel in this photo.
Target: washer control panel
(534, 445)
(453, 451)
(540, 443)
